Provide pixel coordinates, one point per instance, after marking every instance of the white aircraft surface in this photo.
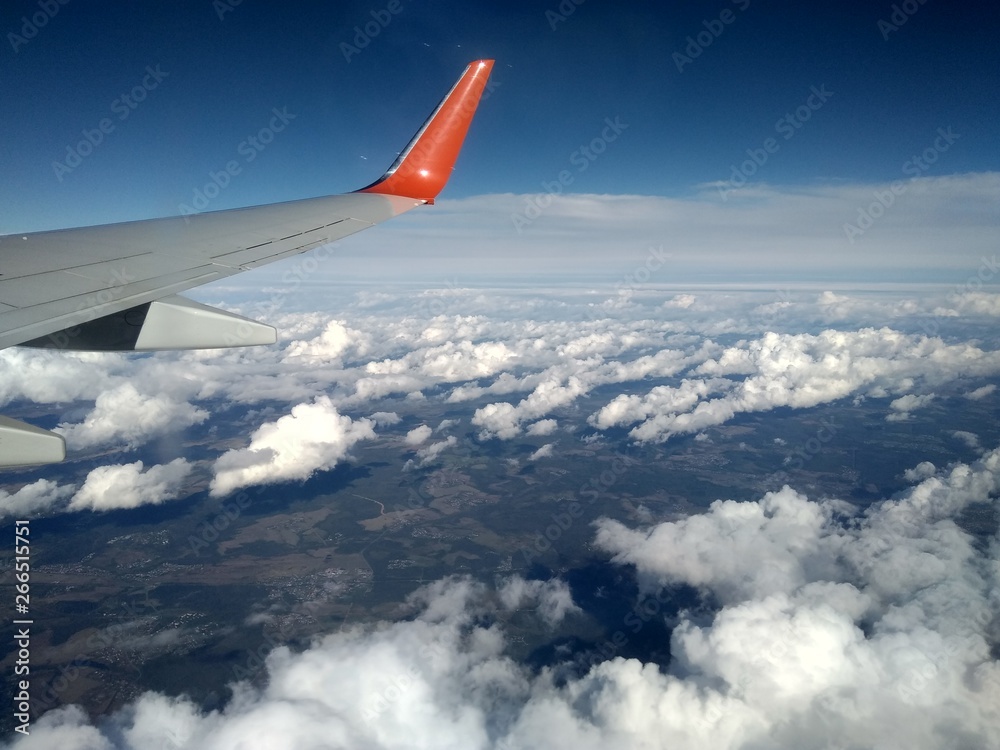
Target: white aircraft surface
(114, 287)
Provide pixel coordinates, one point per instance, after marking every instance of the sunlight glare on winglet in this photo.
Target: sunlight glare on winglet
(424, 166)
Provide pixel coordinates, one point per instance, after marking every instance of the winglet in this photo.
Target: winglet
(424, 166)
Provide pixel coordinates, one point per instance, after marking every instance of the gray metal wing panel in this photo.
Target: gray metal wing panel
(55, 280)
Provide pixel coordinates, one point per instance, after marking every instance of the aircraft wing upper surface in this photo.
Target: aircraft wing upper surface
(113, 287)
(56, 281)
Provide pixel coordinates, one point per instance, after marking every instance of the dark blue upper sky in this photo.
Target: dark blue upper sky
(554, 89)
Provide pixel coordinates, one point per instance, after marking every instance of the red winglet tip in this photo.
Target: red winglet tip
(425, 165)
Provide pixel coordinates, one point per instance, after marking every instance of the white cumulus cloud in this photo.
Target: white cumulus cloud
(418, 435)
(799, 371)
(821, 628)
(124, 415)
(551, 598)
(431, 453)
(128, 486)
(545, 451)
(313, 437)
(33, 499)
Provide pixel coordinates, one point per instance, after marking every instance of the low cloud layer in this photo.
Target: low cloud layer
(651, 363)
(800, 371)
(111, 487)
(823, 628)
(665, 362)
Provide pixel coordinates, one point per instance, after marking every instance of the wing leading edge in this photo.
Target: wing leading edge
(114, 286)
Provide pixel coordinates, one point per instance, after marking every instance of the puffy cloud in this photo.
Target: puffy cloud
(504, 420)
(65, 728)
(531, 344)
(625, 409)
(128, 486)
(981, 393)
(921, 471)
(785, 542)
(972, 303)
(331, 344)
(124, 414)
(545, 451)
(541, 353)
(449, 362)
(418, 435)
(313, 437)
(800, 371)
(542, 427)
(820, 630)
(45, 376)
(969, 438)
(902, 406)
(560, 385)
(427, 682)
(33, 499)
(430, 454)
(498, 420)
(682, 301)
(551, 598)
(840, 631)
(105, 488)
(763, 542)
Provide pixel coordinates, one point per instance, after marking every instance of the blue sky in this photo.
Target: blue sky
(698, 87)
(554, 89)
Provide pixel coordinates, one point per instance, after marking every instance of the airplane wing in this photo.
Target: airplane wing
(114, 287)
